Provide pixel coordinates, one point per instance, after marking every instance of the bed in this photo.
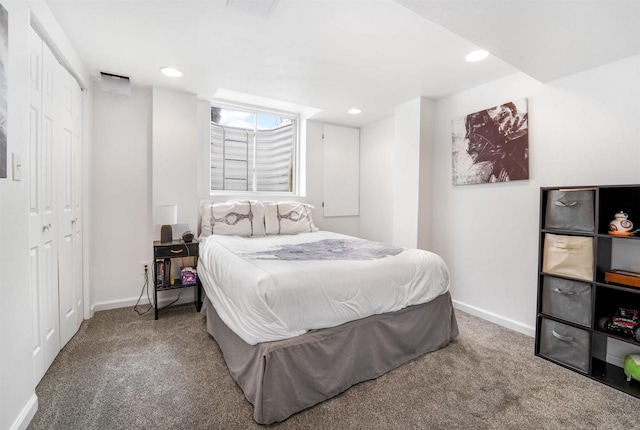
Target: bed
(302, 317)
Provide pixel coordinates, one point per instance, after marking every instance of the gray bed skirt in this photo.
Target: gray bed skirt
(283, 377)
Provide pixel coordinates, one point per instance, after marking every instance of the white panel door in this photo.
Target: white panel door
(35, 199)
(77, 223)
(341, 171)
(42, 204)
(55, 228)
(70, 311)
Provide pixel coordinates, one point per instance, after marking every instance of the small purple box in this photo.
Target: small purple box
(188, 276)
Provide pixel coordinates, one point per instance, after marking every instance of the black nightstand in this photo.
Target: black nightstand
(167, 252)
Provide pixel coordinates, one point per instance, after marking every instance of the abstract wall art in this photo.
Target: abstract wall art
(491, 145)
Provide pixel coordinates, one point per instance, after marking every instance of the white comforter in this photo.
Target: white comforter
(277, 287)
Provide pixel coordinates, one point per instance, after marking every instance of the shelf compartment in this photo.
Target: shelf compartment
(611, 297)
(614, 377)
(619, 253)
(607, 302)
(615, 199)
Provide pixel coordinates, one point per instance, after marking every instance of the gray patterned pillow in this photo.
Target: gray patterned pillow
(233, 218)
(288, 218)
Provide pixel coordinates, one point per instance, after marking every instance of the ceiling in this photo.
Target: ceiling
(334, 55)
(545, 39)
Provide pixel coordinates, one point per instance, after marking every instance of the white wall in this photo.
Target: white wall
(17, 395)
(174, 163)
(18, 401)
(145, 154)
(406, 172)
(175, 153)
(376, 181)
(204, 136)
(412, 173)
(583, 130)
(121, 195)
(425, 181)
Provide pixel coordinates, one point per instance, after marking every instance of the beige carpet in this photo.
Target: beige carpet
(123, 371)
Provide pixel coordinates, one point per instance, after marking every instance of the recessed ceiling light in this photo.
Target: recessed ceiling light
(170, 71)
(354, 111)
(477, 55)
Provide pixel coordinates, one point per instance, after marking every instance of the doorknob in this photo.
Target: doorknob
(73, 221)
(46, 227)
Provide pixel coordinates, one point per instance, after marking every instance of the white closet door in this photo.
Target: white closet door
(66, 163)
(341, 171)
(55, 228)
(77, 223)
(42, 204)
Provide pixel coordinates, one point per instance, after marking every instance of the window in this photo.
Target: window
(253, 150)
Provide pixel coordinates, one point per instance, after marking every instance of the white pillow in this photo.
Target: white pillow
(233, 218)
(288, 218)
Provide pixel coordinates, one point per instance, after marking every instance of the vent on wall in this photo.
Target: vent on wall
(115, 83)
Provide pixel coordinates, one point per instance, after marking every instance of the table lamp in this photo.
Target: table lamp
(166, 216)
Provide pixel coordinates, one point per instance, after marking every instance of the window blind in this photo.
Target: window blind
(232, 158)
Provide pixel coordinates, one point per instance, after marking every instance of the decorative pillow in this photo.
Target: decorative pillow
(204, 210)
(288, 218)
(233, 218)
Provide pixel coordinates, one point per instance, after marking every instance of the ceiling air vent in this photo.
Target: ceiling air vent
(115, 83)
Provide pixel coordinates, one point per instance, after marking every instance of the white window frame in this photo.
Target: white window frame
(295, 192)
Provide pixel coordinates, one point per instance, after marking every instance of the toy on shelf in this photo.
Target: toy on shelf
(621, 223)
(632, 367)
(625, 322)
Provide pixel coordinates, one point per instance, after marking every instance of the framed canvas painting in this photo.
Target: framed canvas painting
(491, 145)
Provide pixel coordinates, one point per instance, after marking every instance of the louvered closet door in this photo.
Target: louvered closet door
(42, 203)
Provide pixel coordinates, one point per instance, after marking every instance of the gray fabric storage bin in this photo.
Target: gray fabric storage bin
(570, 210)
(566, 344)
(568, 300)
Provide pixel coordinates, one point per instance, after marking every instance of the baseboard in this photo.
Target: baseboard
(26, 415)
(168, 297)
(495, 318)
